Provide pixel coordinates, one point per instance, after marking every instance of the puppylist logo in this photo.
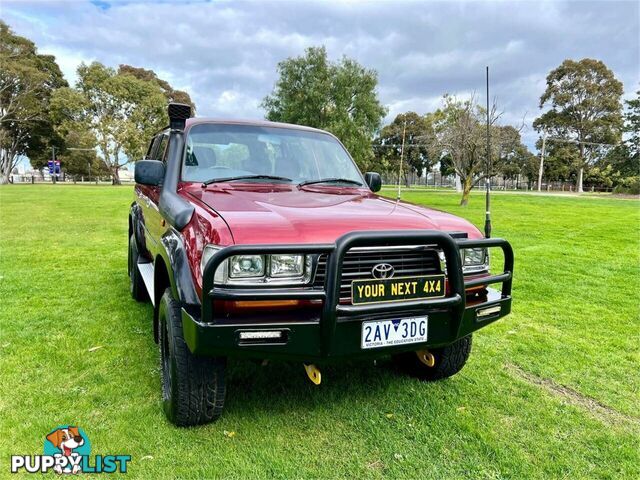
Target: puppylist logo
(67, 450)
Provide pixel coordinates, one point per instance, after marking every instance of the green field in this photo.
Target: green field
(551, 391)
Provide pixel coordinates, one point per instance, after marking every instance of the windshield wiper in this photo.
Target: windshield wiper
(330, 180)
(246, 177)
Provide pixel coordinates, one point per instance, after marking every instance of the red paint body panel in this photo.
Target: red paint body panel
(288, 214)
(250, 213)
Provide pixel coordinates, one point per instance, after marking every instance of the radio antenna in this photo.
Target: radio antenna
(404, 131)
(487, 220)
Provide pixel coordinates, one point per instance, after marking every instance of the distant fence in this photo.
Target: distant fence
(65, 179)
(437, 180)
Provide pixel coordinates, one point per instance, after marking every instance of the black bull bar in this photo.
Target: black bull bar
(334, 313)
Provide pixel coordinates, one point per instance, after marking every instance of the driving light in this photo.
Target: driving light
(260, 334)
(247, 266)
(488, 312)
(256, 337)
(287, 265)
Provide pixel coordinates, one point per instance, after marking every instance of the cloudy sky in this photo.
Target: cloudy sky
(225, 53)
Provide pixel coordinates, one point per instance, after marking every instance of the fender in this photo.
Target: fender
(175, 257)
(137, 220)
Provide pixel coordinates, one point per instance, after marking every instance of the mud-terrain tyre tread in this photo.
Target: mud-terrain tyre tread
(195, 393)
(449, 360)
(136, 283)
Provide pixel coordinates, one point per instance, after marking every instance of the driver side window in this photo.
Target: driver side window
(161, 151)
(158, 148)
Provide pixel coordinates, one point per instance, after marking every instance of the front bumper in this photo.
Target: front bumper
(336, 334)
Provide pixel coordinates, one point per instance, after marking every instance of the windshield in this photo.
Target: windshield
(217, 151)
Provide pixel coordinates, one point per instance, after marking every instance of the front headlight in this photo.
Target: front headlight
(473, 256)
(247, 266)
(287, 265)
(258, 269)
(474, 260)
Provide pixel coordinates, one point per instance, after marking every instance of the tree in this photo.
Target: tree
(79, 158)
(446, 166)
(562, 161)
(584, 106)
(511, 153)
(632, 124)
(27, 80)
(601, 176)
(120, 110)
(529, 168)
(339, 97)
(461, 142)
(461, 137)
(419, 137)
(170, 94)
(632, 127)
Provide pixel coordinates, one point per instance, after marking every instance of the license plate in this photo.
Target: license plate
(384, 333)
(396, 289)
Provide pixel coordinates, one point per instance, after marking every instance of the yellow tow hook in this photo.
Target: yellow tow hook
(426, 357)
(313, 373)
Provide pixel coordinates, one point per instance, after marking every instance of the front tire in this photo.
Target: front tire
(193, 387)
(136, 284)
(449, 360)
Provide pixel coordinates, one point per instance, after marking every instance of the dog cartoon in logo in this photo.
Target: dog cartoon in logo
(66, 439)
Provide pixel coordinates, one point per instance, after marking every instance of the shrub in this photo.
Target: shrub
(629, 185)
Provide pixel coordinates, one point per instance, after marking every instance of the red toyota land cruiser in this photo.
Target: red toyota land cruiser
(263, 240)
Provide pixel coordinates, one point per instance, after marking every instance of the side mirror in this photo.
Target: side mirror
(373, 180)
(149, 172)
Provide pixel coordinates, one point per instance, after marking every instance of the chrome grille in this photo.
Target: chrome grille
(357, 265)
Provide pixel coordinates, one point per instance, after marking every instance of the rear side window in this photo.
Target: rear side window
(161, 148)
(150, 149)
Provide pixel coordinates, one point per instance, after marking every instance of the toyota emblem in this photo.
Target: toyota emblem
(382, 271)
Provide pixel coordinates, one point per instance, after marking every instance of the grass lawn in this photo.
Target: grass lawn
(550, 391)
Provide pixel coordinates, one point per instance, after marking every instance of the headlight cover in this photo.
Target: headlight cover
(260, 269)
(247, 266)
(474, 260)
(473, 256)
(287, 265)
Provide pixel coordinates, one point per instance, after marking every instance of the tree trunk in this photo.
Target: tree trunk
(5, 167)
(465, 191)
(580, 173)
(458, 184)
(116, 176)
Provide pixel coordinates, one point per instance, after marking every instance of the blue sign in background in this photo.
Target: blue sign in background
(50, 164)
